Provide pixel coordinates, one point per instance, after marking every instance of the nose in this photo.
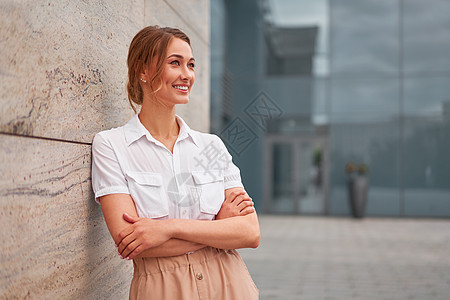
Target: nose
(187, 74)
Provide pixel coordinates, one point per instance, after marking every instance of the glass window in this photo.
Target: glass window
(364, 37)
(427, 96)
(426, 167)
(426, 35)
(364, 100)
(375, 145)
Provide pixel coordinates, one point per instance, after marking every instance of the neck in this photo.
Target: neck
(159, 120)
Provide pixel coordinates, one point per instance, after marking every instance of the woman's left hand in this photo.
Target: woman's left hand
(142, 234)
(237, 203)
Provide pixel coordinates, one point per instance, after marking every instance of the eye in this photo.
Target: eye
(175, 63)
(191, 65)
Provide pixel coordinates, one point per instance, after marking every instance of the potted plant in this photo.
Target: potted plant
(358, 188)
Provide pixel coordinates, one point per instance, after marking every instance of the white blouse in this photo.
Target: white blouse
(188, 184)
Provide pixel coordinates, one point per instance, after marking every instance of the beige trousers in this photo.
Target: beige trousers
(206, 274)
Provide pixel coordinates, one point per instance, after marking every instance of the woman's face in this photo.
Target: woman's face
(178, 74)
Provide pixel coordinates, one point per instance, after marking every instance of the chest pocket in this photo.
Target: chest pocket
(212, 190)
(147, 191)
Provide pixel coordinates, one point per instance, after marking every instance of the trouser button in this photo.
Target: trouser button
(199, 276)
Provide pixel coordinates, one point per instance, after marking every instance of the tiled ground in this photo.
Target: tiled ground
(342, 258)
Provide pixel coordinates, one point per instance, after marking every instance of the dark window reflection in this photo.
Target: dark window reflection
(426, 35)
(364, 100)
(364, 37)
(426, 96)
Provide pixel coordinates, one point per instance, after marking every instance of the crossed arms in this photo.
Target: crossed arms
(236, 226)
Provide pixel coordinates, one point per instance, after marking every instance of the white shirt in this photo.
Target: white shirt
(187, 184)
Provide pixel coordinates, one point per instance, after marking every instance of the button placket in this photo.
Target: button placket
(201, 281)
(176, 173)
(173, 167)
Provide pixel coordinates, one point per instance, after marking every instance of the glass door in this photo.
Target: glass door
(311, 168)
(282, 178)
(296, 180)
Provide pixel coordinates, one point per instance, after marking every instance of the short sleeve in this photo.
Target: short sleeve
(232, 174)
(107, 175)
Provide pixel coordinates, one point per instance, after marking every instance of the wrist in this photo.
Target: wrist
(173, 228)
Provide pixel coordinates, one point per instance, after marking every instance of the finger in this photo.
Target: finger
(124, 243)
(247, 210)
(135, 252)
(124, 233)
(130, 219)
(241, 199)
(235, 195)
(245, 204)
(129, 249)
(238, 196)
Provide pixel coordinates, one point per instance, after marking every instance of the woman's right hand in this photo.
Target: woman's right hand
(237, 203)
(142, 234)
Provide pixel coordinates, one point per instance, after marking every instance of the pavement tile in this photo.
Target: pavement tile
(343, 258)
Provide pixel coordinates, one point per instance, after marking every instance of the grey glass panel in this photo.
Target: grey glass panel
(297, 35)
(283, 189)
(364, 100)
(311, 177)
(217, 64)
(427, 96)
(427, 166)
(376, 145)
(426, 35)
(364, 37)
(293, 94)
(321, 101)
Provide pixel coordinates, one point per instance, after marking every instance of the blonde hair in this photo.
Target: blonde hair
(149, 46)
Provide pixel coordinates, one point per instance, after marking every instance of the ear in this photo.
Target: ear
(143, 75)
(148, 71)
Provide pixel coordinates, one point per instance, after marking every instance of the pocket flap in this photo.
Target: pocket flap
(207, 176)
(146, 178)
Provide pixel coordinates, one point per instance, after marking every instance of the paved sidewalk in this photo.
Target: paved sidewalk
(342, 258)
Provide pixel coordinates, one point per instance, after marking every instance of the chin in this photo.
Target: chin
(178, 101)
(185, 101)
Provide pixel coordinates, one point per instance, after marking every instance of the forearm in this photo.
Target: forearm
(231, 233)
(172, 247)
(234, 232)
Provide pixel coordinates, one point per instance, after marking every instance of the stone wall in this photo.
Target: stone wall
(62, 79)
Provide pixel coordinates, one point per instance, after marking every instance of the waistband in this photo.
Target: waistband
(154, 265)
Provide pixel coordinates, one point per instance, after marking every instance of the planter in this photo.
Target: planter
(358, 188)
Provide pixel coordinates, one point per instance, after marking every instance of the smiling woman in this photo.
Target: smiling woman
(170, 212)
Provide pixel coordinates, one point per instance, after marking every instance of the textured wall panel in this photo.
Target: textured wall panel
(176, 14)
(63, 66)
(55, 244)
(62, 77)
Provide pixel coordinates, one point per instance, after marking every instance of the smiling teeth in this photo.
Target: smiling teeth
(180, 87)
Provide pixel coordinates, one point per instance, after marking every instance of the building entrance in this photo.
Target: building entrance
(296, 175)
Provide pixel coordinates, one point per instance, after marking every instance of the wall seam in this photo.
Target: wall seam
(401, 113)
(187, 23)
(46, 138)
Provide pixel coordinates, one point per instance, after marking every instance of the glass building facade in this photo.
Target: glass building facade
(302, 88)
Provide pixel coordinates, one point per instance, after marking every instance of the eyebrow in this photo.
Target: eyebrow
(180, 57)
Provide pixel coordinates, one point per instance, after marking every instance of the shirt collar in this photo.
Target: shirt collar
(134, 130)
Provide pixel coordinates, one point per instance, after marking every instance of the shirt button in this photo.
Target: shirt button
(199, 276)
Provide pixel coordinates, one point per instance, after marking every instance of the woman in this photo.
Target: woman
(172, 199)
